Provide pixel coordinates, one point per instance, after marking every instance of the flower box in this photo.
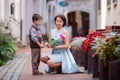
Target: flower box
(95, 66)
(90, 62)
(78, 55)
(103, 70)
(100, 30)
(112, 29)
(86, 60)
(75, 53)
(110, 71)
(81, 57)
(114, 70)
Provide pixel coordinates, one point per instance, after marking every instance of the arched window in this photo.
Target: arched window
(108, 2)
(49, 9)
(12, 6)
(53, 10)
(99, 4)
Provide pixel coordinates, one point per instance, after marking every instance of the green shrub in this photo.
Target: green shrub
(7, 46)
(1, 62)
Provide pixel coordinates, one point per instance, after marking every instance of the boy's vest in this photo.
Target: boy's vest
(32, 43)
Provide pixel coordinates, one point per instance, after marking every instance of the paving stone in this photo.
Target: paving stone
(4, 71)
(10, 72)
(17, 72)
(12, 69)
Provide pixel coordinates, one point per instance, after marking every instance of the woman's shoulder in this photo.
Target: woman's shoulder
(64, 30)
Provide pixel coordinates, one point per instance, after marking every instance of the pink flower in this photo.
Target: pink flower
(62, 36)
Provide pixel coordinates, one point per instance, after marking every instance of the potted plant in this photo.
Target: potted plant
(86, 48)
(109, 52)
(76, 50)
(95, 58)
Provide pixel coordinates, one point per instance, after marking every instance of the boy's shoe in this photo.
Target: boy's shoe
(37, 73)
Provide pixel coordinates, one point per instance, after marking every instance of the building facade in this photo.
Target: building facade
(17, 14)
(74, 12)
(112, 13)
(82, 16)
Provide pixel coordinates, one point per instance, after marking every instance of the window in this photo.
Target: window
(48, 0)
(53, 10)
(99, 4)
(115, 1)
(12, 6)
(108, 2)
(49, 9)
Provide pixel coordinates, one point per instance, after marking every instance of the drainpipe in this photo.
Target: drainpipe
(21, 30)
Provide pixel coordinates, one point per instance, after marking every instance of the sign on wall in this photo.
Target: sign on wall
(63, 3)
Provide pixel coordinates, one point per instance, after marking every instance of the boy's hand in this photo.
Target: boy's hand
(47, 44)
(41, 46)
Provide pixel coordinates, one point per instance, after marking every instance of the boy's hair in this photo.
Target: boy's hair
(36, 17)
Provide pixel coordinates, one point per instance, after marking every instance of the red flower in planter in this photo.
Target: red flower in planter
(86, 43)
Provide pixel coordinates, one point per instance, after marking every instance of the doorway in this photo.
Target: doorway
(79, 22)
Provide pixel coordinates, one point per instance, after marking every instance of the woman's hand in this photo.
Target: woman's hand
(50, 46)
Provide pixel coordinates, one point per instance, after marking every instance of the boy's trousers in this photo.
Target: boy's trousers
(35, 57)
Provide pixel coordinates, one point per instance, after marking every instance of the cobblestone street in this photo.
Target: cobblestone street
(20, 69)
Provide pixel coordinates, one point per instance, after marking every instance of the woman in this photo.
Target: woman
(61, 58)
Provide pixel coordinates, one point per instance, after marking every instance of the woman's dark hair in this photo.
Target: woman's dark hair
(36, 17)
(62, 17)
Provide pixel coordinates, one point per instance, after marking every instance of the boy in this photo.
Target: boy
(35, 37)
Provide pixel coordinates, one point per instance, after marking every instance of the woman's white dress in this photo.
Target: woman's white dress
(62, 55)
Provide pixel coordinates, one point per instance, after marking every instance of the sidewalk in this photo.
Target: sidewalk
(20, 69)
(27, 73)
(12, 69)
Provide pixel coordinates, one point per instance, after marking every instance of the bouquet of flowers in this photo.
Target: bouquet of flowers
(54, 42)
